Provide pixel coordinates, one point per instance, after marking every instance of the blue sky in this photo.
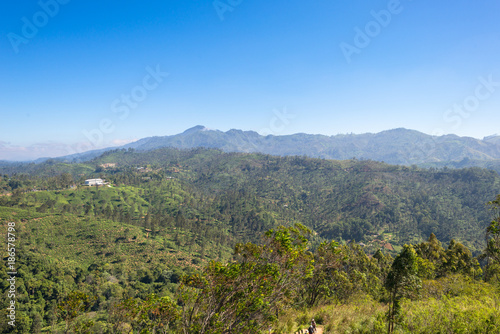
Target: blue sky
(79, 75)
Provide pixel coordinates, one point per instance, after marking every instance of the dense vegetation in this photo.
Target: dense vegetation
(175, 231)
(241, 194)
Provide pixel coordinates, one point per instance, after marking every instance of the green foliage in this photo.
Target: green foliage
(246, 296)
(154, 314)
(72, 305)
(110, 259)
(322, 283)
(434, 261)
(492, 251)
(402, 281)
(246, 194)
(451, 315)
(106, 260)
(459, 260)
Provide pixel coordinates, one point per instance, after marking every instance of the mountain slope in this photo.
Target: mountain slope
(241, 195)
(398, 146)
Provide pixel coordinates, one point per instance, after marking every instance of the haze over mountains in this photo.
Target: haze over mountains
(398, 146)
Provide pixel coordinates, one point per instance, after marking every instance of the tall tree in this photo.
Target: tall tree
(402, 281)
(322, 284)
(492, 251)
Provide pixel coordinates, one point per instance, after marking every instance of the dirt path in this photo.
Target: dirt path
(319, 330)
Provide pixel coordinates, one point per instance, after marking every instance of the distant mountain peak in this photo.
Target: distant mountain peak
(493, 139)
(491, 136)
(194, 129)
(400, 131)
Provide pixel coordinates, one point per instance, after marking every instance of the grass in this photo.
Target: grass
(461, 314)
(359, 314)
(453, 304)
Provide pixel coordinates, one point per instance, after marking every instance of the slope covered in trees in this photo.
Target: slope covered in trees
(110, 259)
(242, 194)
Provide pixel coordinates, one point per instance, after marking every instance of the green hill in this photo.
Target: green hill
(169, 212)
(240, 195)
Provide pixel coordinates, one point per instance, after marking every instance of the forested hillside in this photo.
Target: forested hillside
(169, 212)
(248, 193)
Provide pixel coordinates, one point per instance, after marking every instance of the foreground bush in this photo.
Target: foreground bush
(451, 315)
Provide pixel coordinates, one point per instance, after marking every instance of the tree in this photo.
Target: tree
(359, 273)
(153, 314)
(147, 221)
(36, 325)
(431, 249)
(402, 281)
(245, 296)
(74, 303)
(459, 259)
(384, 262)
(327, 262)
(431, 257)
(492, 251)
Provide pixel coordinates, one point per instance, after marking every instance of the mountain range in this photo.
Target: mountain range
(397, 146)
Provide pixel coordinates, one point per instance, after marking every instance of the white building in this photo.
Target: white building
(94, 182)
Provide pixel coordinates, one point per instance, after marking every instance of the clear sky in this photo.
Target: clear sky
(79, 75)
